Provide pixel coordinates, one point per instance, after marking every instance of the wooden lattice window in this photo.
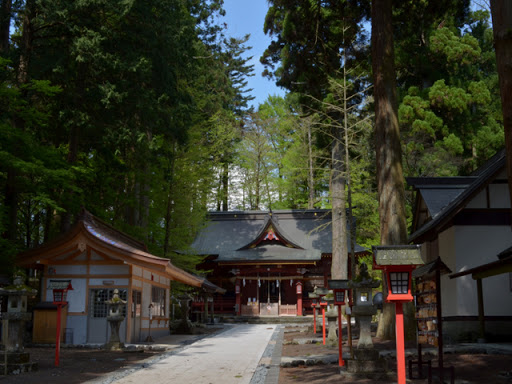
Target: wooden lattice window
(158, 301)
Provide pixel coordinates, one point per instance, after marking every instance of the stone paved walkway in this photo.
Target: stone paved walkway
(230, 357)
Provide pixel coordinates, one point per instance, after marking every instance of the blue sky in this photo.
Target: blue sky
(248, 16)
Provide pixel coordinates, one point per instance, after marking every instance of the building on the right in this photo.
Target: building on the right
(467, 222)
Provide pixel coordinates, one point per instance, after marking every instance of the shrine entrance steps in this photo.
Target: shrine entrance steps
(306, 320)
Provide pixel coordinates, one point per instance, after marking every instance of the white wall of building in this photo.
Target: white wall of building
(467, 247)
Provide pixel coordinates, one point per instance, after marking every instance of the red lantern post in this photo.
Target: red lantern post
(340, 290)
(298, 290)
(321, 292)
(397, 262)
(314, 305)
(60, 291)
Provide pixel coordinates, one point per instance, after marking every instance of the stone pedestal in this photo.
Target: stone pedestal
(13, 327)
(185, 326)
(367, 364)
(332, 337)
(114, 343)
(364, 316)
(17, 363)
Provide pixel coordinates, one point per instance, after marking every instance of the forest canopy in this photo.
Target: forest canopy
(141, 113)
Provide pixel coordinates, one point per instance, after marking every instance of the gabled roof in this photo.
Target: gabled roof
(90, 231)
(277, 235)
(446, 197)
(304, 235)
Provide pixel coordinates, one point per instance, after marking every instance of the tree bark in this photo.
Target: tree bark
(393, 228)
(5, 23)
(225, 186)
(501, 11)
(339, 215)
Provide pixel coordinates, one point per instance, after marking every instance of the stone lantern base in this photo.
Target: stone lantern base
(367, 363)
(17, 363)
(114, 343)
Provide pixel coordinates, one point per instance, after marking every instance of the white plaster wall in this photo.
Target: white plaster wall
(109, 269)
(499, 196)
(167, 302)
(136, 271)
(137, 283)
(147, 274)
(479, 201)
(95, 256)
(76, 297)
(146, 299)
(68, 270)
(79, 326)
(477, 245)
(117, 282)
(448, 286)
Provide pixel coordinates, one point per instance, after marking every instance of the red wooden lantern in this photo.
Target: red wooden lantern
(237, 288)
(339, 296)
(398, 262)
(298, 288)
(60, 292)
(399, 282)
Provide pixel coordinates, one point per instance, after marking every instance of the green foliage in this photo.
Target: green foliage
(450, 121)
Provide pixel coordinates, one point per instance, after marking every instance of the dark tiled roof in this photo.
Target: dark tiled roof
(228, 234)
(429, 268)
(445, 208)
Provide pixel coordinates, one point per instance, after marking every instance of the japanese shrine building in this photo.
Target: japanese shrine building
(466, 222)
(98, 259)
(268, 262)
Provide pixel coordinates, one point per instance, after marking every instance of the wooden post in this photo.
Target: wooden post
(340, 338)
(57, 336)
(481, 317)
(323, 323)
(299, 298)
(238, 300)
(400, 343)
(314, 319)
(5, 330)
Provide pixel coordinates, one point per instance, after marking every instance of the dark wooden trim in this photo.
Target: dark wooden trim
(476, 319)
(483, 217)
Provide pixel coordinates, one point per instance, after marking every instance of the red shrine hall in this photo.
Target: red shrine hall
(267, 262)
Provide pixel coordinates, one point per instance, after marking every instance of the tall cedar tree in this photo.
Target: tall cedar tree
(502, 25)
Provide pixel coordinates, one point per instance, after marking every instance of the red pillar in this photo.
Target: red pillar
(340, 338)
(238, 300)
(400, 343)
(314, 318)
(57, 336)
(299, 298)
(323, 323)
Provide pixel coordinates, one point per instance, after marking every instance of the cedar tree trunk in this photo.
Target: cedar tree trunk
(390, 182)
(502, 26)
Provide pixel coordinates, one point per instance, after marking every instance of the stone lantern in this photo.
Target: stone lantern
(367, 361)
(13, 326)
(115, 318)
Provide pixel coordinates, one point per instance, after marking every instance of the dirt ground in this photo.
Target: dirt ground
(75, 365)
(469, 368)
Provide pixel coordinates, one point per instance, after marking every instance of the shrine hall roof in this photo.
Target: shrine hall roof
(302, 235)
